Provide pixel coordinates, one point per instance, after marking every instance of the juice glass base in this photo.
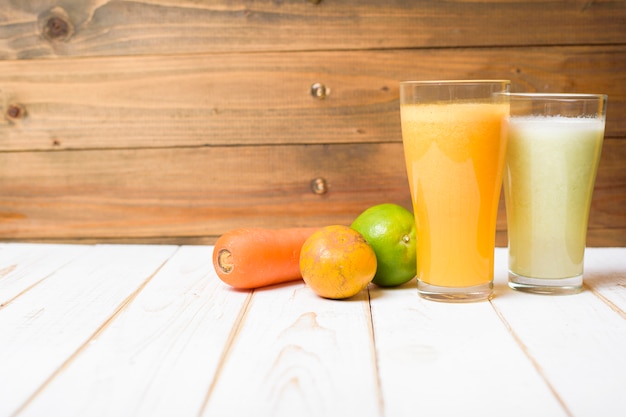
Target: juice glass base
(481, 292)
(549, 286)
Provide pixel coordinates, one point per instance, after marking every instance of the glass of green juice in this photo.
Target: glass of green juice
(554, 146)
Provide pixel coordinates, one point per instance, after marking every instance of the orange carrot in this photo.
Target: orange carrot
(252, 257)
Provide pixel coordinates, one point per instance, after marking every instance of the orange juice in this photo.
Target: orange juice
(454, 155)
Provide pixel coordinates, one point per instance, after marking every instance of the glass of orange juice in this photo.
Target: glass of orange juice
(455, 148)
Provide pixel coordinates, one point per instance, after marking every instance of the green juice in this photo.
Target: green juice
(551, 166)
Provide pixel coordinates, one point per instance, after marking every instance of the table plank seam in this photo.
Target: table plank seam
(230, 342)
(8, 270)
(133, 347)
(24, 291)
(606, 301)
(121, 307)
(370, 320)
(532, 360)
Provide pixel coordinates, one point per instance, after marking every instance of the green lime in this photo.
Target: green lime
(390, 230)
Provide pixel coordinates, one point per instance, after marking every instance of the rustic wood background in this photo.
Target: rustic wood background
(172, 121)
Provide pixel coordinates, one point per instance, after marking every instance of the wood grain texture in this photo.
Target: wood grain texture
(175, 330)
(602, 279)
(192, 191)
(98, 338)
(160, 101)
(423, 348)
(590, 383)
(162, 121)
(146, 27)
(65, 311)
(302, 355)
(203, 192)
(23, 266)
(541, 326)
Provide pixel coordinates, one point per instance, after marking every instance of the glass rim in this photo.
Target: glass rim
(557, 96)
(454, 82)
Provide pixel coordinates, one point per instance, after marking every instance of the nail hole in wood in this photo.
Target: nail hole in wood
(319, 91)
(319, 186)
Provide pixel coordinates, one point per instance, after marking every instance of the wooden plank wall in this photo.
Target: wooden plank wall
(172, 121)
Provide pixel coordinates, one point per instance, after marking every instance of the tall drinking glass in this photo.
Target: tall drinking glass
(454, 147)
(555, 141)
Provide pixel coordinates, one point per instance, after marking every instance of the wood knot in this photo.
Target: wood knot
(55, 25)
(15, 111)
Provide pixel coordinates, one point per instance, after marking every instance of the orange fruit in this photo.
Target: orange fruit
(390, 230)
(337, 262)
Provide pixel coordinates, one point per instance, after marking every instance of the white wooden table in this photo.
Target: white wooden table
(121, 330)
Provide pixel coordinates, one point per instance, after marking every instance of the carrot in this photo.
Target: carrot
(253, 257)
